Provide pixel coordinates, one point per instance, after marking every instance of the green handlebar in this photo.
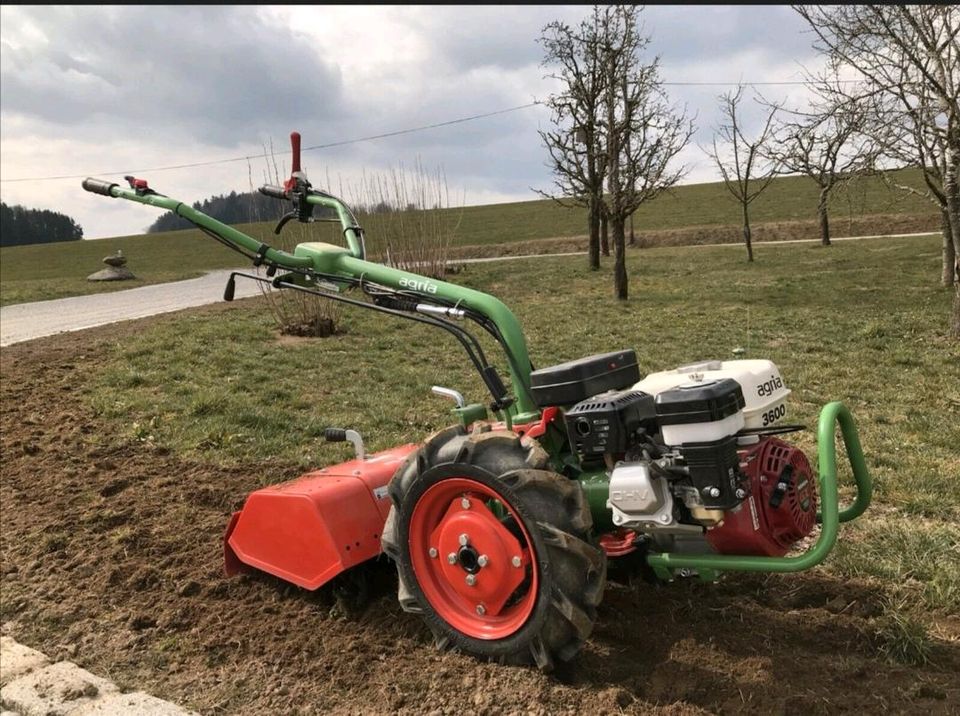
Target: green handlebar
(830, 515)
(238, 238)
(351, 263)
(351, 230)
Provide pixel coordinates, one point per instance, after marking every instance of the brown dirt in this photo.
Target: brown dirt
(111, 556)
(874, 225)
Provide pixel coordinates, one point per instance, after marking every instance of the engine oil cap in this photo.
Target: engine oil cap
(699, 402)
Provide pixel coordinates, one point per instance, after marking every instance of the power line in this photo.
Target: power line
(753, 84)
(385, 135)
(342, 143)
(427, 126)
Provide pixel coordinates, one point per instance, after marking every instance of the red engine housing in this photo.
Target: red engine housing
(757, 527)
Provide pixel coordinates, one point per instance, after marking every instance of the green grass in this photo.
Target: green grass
(787, 199)
(46, 271)
(902, 637)
(921, 557)
(861, 322)
(41, 272)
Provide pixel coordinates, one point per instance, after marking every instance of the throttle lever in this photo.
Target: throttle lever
(283, 221)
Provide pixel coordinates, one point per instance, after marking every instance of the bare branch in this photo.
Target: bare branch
(744, 162)
(908, 58)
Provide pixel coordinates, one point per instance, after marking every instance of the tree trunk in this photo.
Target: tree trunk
(948, 273)
(746, 232)
(604, 234)
(614, 212)
(633, 238)
(620, 260)
(951, 190)
(823, 216)
(593, 250)
(955, 327)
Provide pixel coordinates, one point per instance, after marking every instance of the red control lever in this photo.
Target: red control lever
(295, 146)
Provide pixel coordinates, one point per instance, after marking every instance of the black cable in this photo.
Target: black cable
(230, 245)
(469, 342)
(482, 320)
(492, 328)
(384, 292)
(773, 430)
(486, 324)
(461, 335)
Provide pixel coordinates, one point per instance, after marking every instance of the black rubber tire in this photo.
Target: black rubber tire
(557, 518)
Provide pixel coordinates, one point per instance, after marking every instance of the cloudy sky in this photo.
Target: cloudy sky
(106, 90)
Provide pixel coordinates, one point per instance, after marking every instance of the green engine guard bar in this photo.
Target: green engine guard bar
(830, 515)
(350, 263)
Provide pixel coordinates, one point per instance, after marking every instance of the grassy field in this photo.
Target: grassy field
(33, 273)
(862, 322)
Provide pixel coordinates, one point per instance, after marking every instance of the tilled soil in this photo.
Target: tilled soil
(111, 556)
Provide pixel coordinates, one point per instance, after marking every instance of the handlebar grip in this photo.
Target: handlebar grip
(335, 435)
(98, 186)
(275, 192)
(295, 146)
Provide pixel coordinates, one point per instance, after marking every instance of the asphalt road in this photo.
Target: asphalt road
(26, 321)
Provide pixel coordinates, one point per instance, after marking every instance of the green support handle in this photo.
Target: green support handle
(831, 414)
(830, 515)
(198, 218)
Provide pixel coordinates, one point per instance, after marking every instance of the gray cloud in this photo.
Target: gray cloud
(216, 74)
(503, 37)
(685, 34)
(115, 87)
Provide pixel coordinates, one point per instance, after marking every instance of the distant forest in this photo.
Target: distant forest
(20, 226)
(250, 207)
(232, 208)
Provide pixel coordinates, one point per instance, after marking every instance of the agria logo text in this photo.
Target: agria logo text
(768, 388)
(422, 286)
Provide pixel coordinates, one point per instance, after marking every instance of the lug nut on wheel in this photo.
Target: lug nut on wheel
(483, 560)
(471, 580)
(452, 558)
(433, 553)
(464, 539)
(481, 610)
(516, 561)
(465, 503)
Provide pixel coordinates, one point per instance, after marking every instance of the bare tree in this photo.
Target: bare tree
(411, 224)
(908, 58)
(744, 162)
(906, 139)
(642, 132)
(574, 146)
(827, 144)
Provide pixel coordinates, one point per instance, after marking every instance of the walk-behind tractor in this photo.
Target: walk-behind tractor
(502, 527)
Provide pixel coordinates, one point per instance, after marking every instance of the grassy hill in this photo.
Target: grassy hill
(31, 273)
(787, 199)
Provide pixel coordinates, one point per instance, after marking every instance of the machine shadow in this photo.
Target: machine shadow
(729, 644)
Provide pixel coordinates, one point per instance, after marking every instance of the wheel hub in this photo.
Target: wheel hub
(468, 558)
(486, 587)
(470, 529)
